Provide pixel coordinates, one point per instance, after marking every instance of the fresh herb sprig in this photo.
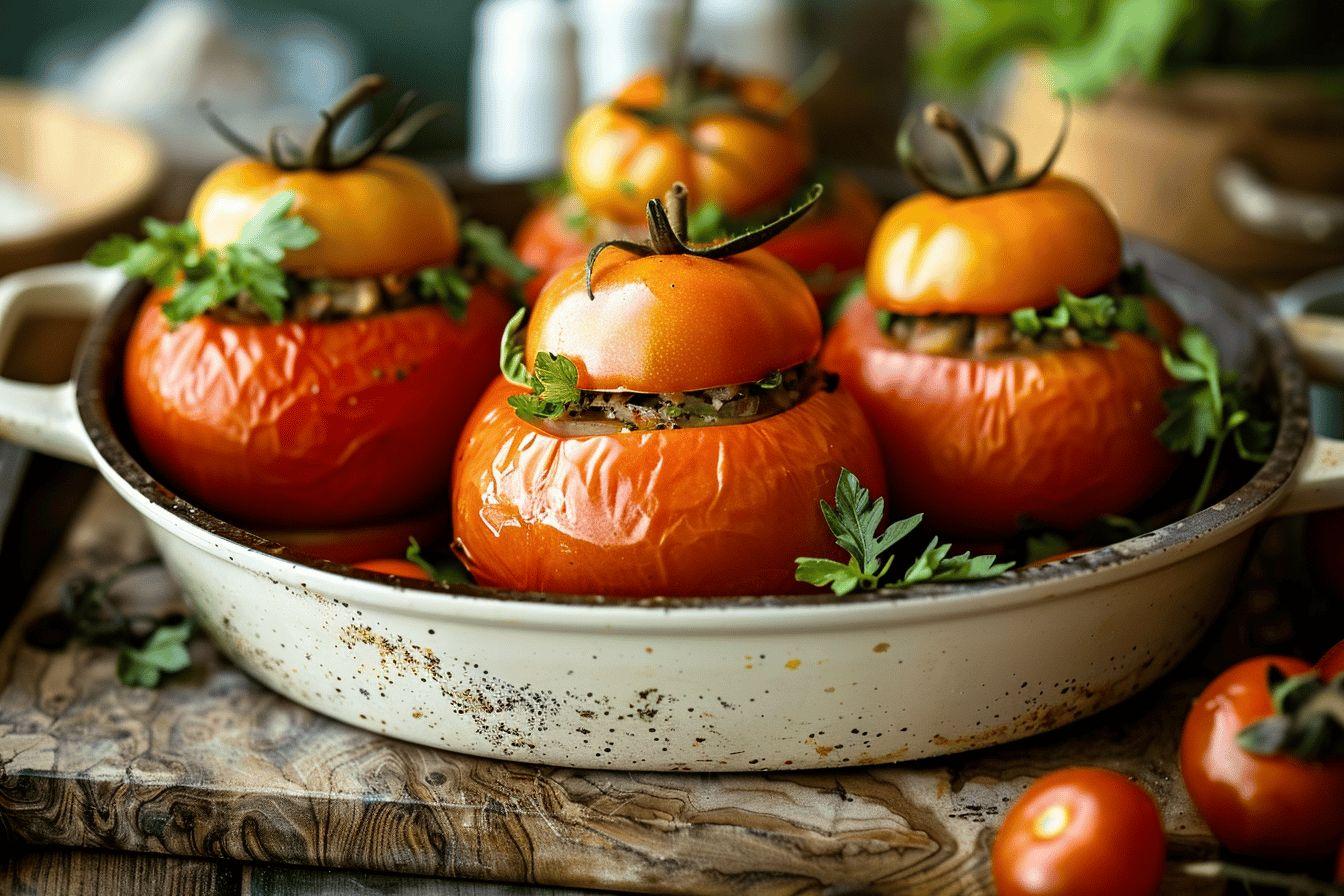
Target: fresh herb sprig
(1208, 409)
(855, 519)
(209, 278)
(554, 380)
(148, 647)
(449, 572)
(485, 256)
(1095, 319)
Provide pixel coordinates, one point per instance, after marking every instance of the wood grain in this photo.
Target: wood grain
(89, 873)
(212, 765)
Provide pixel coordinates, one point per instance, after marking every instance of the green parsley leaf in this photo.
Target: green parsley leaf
(448, 287)
(511, 351)
(1207, 409)
(449, 572)
(488, 246)
(1094, 318)
(556, 379)
(1027, 322)
(164, 652)
(772, 381)
(270, 233)
(166, 250)
(854, 520)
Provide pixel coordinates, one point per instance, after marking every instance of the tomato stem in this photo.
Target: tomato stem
(938, 116)
(1206, 484)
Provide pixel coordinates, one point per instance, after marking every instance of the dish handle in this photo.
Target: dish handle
(43, 417)
(1319, 482)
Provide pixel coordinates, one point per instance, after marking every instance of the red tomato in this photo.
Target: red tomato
(1332, 664)
(305, 425)
(395, 566)
(1275, 807)
(1080, 832)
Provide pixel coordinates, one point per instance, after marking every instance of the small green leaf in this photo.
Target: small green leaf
(511, 352)
(1131, 315)
(841, 578)
(448, 287)
(488, 245)
(448, 573)
(1027, 322)
(269, 233)
(1088, 315)
(556, 378)
(164, 652)
(772, 381)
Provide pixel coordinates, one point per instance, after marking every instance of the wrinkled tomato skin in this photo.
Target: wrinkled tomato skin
(1332, 664)
(671, 323)
(1080, 832)
(1271, 807)
(827, 246)
(617, 162)
(301, 424)
(1061, 436)
(992, 254)
(395, 566)
(710, 511)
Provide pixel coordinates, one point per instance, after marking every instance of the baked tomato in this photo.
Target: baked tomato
(309, 424)
(669, 433)
(396, 566)
(1080, 832)
(1278, 805)
(740, 142)
(1059, 435)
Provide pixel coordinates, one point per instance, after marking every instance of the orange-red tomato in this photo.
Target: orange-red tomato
(385, 216)
(617, 162)
(395, 566)
(1276, 807)
(1080, 832)
(1060, 436)
(992, 254)
(670, 323)
(351, 544)
(719, 510)
(1332, 664)
(304, 424)
(548, 243)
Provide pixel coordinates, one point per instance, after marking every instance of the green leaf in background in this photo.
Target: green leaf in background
(164, 652)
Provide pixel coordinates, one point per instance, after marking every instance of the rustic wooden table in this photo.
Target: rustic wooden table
(212, 784)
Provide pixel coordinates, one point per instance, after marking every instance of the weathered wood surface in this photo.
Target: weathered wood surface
(212, 765)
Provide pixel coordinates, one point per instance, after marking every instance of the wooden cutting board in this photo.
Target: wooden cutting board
(211, 764)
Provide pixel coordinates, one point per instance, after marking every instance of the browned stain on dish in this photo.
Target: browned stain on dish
(881, 647)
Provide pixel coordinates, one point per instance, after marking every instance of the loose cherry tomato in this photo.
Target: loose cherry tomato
(621, 154)
(1277, 807)
(304, 424)
(1080, 832)
(1060, 436)
(395, 566)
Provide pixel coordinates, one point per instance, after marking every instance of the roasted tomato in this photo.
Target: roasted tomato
(317, 340)
(1060, 436)
(987, 417)
(677, 441)
(1080, 832)
(1278, 806)
(309, 424)
(395, 566)
(827, 246)
(737, 141)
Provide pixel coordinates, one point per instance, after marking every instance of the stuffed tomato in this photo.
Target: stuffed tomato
(741, 144)
(321, 328)
(1011, 373)
(668, 434)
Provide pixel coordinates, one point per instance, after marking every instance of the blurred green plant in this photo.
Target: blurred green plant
(1092, 44)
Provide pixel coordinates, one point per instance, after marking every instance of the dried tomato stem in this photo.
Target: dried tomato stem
(674, 201)
(938, 116)
(359, 93)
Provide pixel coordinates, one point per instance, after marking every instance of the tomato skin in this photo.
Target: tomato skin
(1332, 664)
(546, 242)
(711, 511)
(1080, 832)
(300, 424)
(616, 162)
(992, 254)
(669, 323)
(1271, 807)
(394, 566)
(388, 215)
(1061, 436)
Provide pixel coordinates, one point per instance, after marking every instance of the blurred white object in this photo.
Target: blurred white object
(279, 69)
(618, 39)
(22, 212)
(524, 89)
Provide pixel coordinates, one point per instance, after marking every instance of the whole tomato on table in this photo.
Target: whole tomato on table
(742, 146)
(1010, 370)
(1080, 832)
(320, 328)
(664, 432)
(1262, 755)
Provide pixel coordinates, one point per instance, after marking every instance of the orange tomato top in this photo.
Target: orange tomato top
(387, 215)
(992, 254)
(671, 323)
(617, 161)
